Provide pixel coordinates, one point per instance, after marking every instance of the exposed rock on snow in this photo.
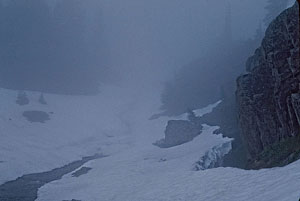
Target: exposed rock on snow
(179, 132)
(72, 200)
(185, 128)
(213, 158)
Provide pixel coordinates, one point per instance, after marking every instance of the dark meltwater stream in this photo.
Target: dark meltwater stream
(25, 188)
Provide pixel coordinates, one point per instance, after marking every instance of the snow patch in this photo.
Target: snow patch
(206, 110)
(198, 112)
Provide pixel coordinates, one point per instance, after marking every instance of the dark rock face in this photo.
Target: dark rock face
(268, 96)
(179, 132)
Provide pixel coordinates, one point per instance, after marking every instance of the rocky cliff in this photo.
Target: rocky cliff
(268, 95)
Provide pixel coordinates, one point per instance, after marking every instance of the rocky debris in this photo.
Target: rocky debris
(81, 171)
(162, 160)
(72, 200)
(268, 96)
(179, 132)
(36, 116)
(22, 98)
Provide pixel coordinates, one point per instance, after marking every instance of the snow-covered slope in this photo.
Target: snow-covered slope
(79, 126)
(116, 124)
(152, 181)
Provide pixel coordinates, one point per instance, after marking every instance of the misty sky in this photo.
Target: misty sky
(147, 41)
(150, 39)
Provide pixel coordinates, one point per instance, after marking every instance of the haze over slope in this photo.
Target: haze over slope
(152, 39)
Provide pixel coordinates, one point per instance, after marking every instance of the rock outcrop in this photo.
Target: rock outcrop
(268, 96)
(179, 132)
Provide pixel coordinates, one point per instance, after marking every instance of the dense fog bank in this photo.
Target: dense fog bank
(73, 46)
(51, 47)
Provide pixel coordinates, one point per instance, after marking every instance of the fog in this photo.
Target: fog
(125, 42)
(135, 100)
(150, 40)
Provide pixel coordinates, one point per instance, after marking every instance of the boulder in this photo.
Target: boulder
(179, 132)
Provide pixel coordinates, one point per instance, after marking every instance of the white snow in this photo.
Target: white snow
(116, 123)
(80, 126)
(201, 112)
(198, 112)
(147, 182)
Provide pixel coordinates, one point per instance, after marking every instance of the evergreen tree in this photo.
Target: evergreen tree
(22, 98)
(42, 99)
